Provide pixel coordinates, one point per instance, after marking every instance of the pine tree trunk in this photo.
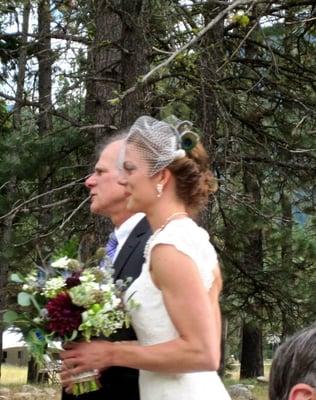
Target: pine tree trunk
(6, 232)
(210, 58)
(44, 123)
(135, 58)
(117, 57)
(252, 348)
(288, 323)
(251, 363)
(32, 371)
(222, 367)
(5, 242)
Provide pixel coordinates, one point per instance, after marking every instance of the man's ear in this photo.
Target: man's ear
(301, 391)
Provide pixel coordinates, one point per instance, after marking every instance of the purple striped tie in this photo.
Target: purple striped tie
(111, 246)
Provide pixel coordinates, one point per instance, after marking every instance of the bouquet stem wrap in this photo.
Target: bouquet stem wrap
(85, 382)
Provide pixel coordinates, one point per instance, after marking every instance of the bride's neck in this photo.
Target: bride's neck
(160, 216)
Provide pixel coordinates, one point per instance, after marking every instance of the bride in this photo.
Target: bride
(165, 174)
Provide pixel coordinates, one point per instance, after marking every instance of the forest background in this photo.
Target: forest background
(243, 71)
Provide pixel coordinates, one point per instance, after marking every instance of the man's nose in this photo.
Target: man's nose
(89, 182)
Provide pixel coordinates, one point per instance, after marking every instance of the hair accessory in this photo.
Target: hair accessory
(188, 138)
(178, 154)
(159, 188)
(159, 143)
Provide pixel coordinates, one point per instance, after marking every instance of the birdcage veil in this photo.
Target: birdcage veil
(157, 143)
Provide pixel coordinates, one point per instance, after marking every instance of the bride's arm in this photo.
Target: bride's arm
(194, 312)
(214, 293)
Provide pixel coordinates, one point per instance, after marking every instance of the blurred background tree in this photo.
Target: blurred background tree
(243, 72)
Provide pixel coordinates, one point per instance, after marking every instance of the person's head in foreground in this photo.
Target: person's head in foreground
(164, 164)
(108, 198)
(293, 370)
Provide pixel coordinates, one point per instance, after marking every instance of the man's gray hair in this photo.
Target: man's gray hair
(294, 362)
(119, 135)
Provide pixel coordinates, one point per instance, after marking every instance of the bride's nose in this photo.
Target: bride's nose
(122, 179)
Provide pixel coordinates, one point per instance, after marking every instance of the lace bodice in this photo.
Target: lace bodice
(153, 325)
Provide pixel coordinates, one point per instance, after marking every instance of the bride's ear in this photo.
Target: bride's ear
(164, 176)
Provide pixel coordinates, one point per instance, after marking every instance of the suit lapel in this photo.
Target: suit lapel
(130, 246)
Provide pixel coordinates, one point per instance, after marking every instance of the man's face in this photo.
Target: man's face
(107, 196)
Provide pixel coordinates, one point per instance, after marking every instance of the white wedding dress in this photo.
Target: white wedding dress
(153, 324)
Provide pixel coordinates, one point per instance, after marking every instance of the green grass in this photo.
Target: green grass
(260, 390)
(13, 375)
(14, 378)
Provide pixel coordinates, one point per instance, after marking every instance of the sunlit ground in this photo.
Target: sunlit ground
(260, 390)
(11, 374)
(14, 377)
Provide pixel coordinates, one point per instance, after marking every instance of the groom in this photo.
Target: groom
(132, 231)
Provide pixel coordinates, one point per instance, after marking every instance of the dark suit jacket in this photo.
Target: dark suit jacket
(122, 383)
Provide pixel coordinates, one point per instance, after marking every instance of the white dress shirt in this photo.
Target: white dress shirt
(123, 231)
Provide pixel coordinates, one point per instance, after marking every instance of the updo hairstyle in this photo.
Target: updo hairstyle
(161, 145)
(194, 179)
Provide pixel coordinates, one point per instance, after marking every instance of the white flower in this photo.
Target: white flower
(106, 287)
(116, 301)
(87, 276)
(53, 286)
(61, 263)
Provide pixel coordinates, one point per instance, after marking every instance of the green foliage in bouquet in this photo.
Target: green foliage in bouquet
(69, 301)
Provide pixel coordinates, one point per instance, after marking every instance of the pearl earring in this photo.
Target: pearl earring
(159, 188)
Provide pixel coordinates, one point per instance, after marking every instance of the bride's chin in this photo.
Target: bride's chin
(133, 207)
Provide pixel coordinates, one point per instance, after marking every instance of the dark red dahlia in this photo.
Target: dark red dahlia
(63, 316)
(73, 280)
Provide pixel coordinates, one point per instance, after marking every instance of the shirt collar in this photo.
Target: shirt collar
(123, 231)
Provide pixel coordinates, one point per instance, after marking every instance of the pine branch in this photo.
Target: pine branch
(291, 164)
(45, 206)
(214, 21)
(197, 37)
(17, 208)
(23, 102)
(74, 212)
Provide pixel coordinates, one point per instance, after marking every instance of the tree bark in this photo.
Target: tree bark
(117, 57)
(7, 230)
(251, 363)
(135, 63)
(210, 57)
(45, 124)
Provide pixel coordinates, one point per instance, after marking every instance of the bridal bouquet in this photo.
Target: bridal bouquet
(69, 301)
